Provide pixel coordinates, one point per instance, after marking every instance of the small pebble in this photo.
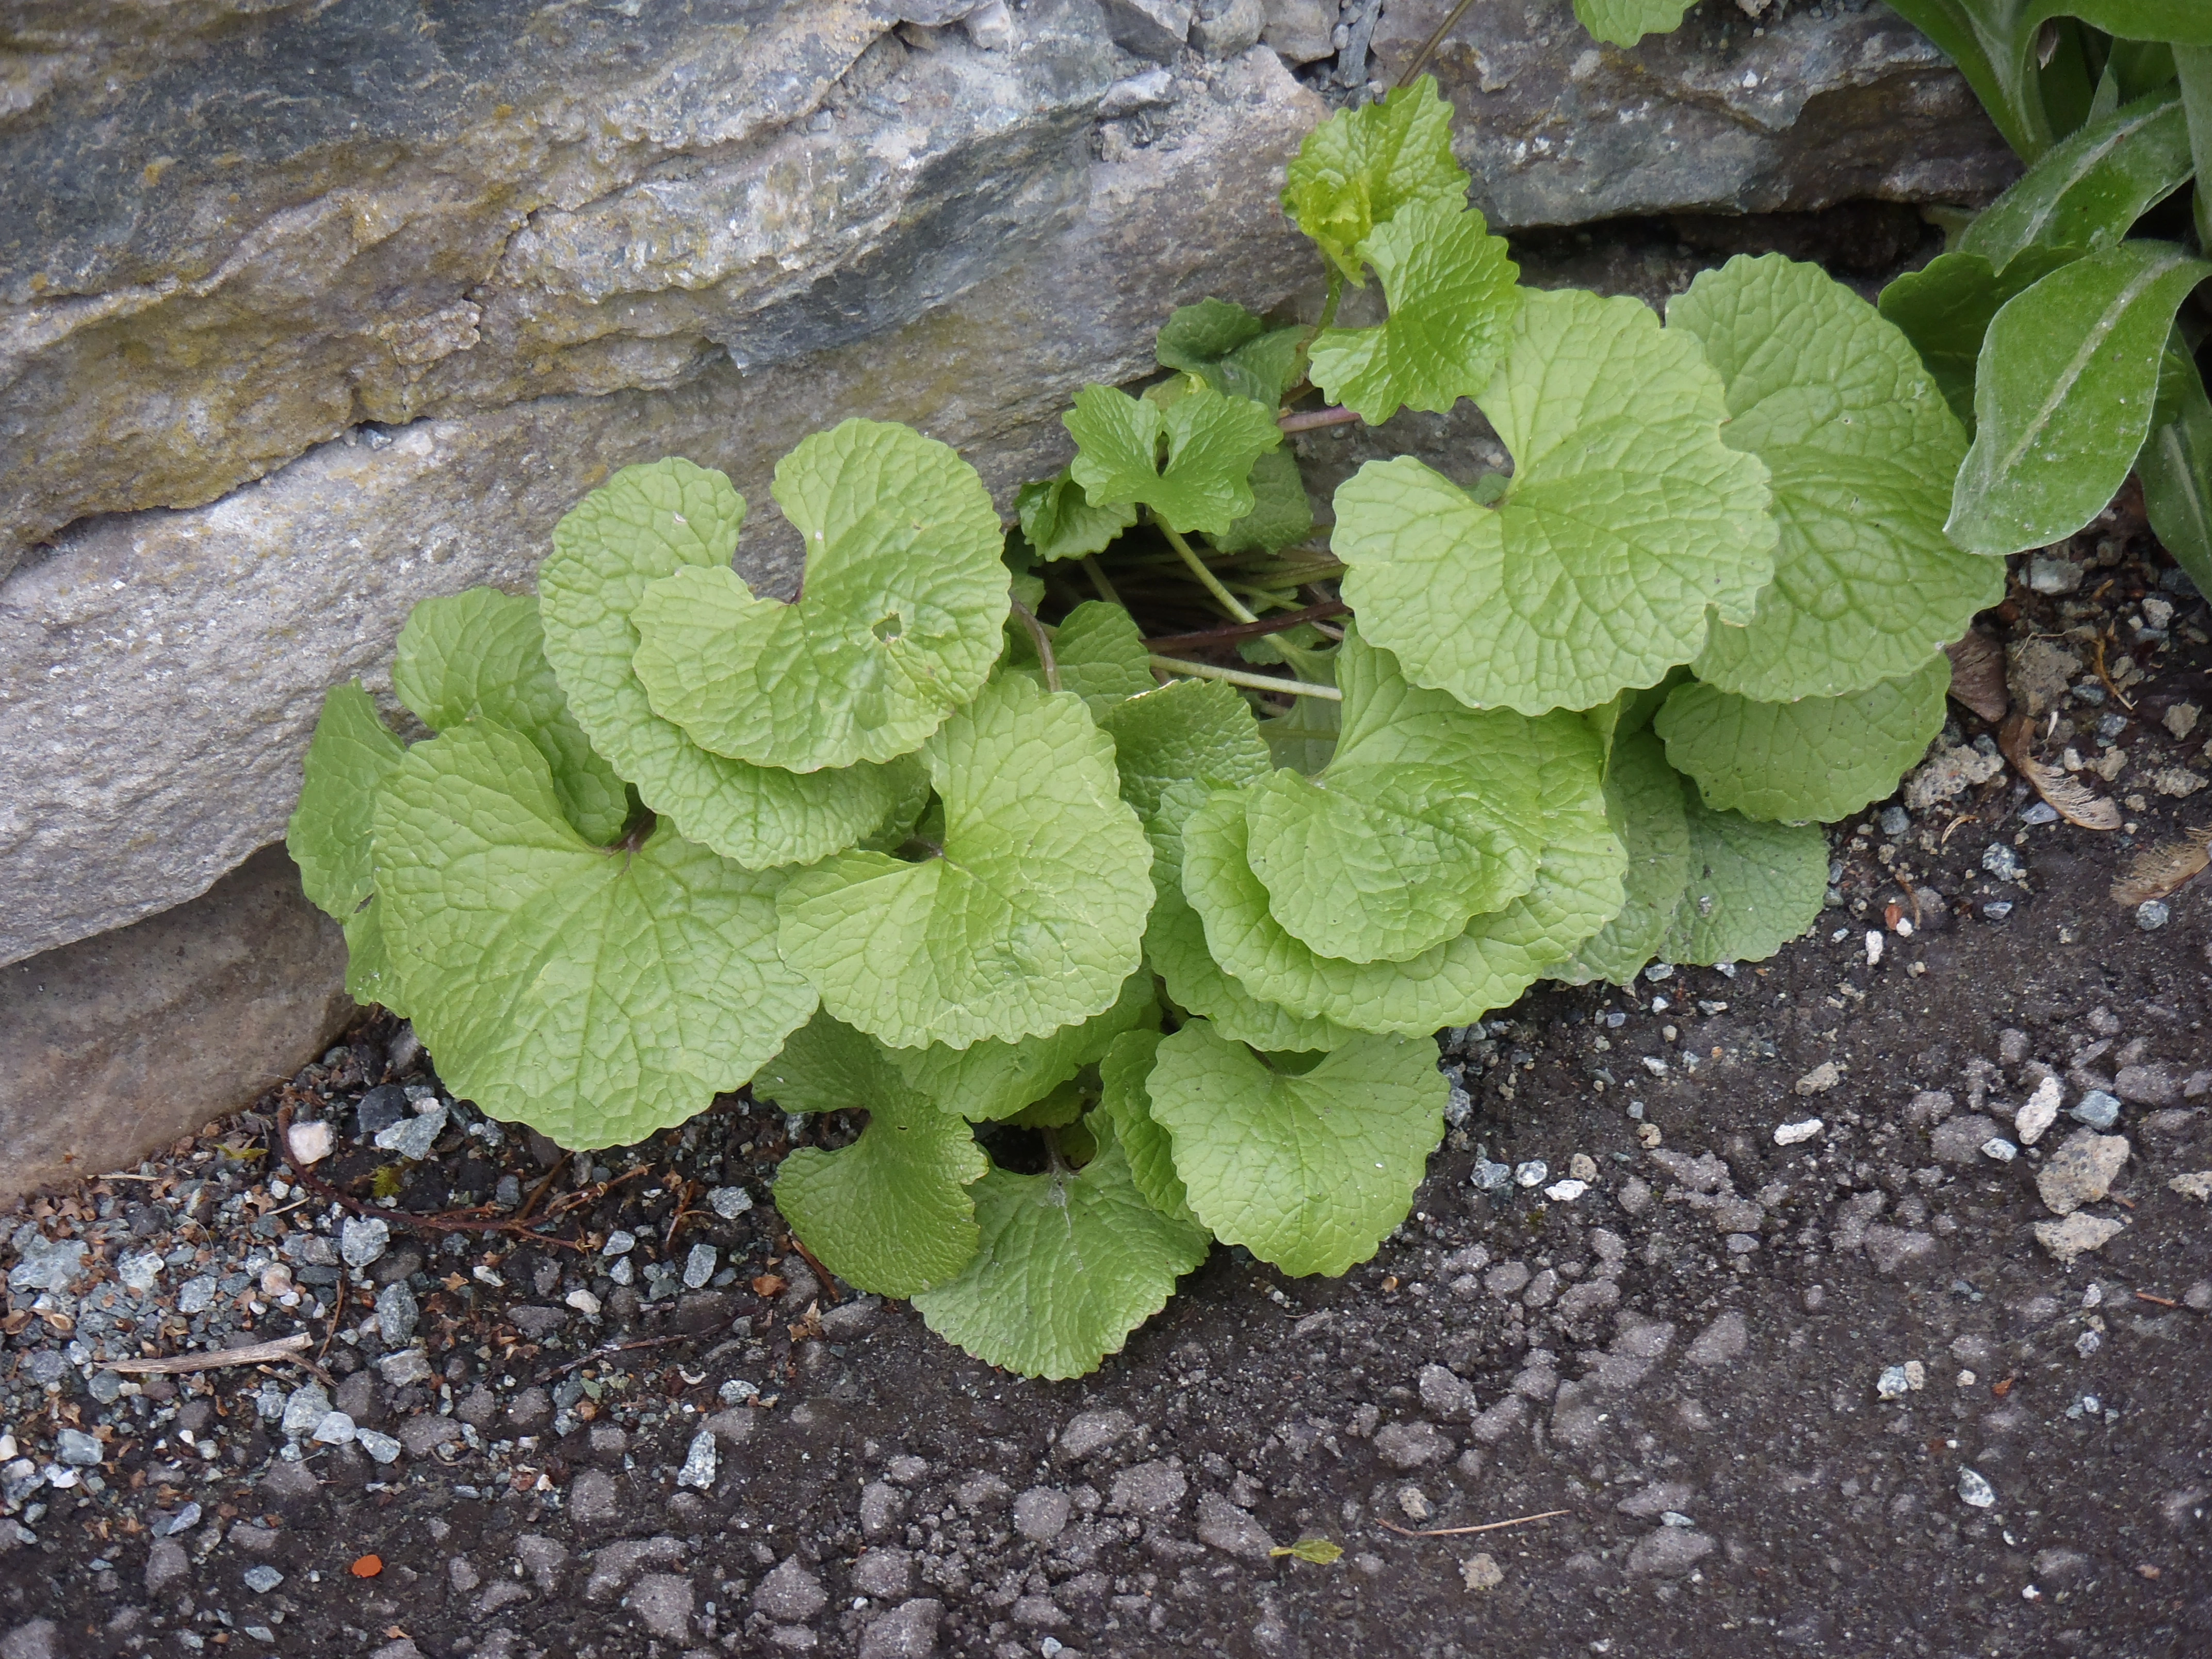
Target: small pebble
(2040, 1112)
(2100, 1111)
(700, 1462)
(2001, 861)
(729, 1202)
(1566, 1191)
(263, 1579)
(2038, 813)
(362, 1240)
(77, 1449)
(334, 1430)
(1975, 1491)
(1997, 1147)
(619, 1242)
(1791, 1134)
(584, 1303)
(1895, 821)
(381, 1447)
(411, 1138)
(310, 1143)
(2151, 915)
(1481, 1573)
(1531, 1173)
(699, 1266)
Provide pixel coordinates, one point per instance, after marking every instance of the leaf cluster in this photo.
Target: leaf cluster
(1117, 925)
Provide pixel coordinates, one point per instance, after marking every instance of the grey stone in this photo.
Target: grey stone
(1230, 1530)
(377, 1111)
(305, 1408)
(531, 1411)
(363, 1239)
(1150, 1489)
(908, 1631)
(1088, 1433)
(542, 1557)
(1222, 28)
(396, 1312)
(1149, 90)
(262, 1579)
(1721, 1342)
(478, 1407)
(1041, 1514)
(2076, 1235)
(411, 1137)
(39, 1640)
(407, 1366)
(462, 1575)
(613, 1565)
(166, 1565)
(881, 1506)
(887, 1575)
(700, 1461)
(2082, 1170)
(1444, 1392)
(662, 1601)
(790, 1593)
(1893, 1248)
(1824, 106)
(234, 599)
(381, 1446)
(593, 1500)
(111, 1047)
(2148, 1085)
(1151, 28)
(1299, 29)
(291, 1487)
(1669, 1551)
(423, 1436)
(1959, 1141)
(1412, 1445)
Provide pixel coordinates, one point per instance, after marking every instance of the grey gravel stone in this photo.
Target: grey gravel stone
(790, 1593)
(881, 1506)
(1230, 1530)
(886, 1574)
(543, 1559)
(305, 1408)
(1975, 1491)
(1041, 1514)
(166, 1565)
(592, 1499)
(409, 1365)
(908, 1631)
(662, 1601)
(2097, 1109)
(397, 1313)
(77, 1449)
(729, 1202)
(44, 1264)
(381, 1446)
(700, 1462)
(1720, 1342)
(613, 1565)
(262, 1579)
(1959, 1141)
(1444, 1392)
(1669, 1551)
(1152, 1489)
(39, 1640)
(411, 1138)
(2082, 1170)
(1412, 1445)
(1089, 1433)
(363, 1239)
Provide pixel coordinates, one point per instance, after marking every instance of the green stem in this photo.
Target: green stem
(1328, 305)
(1229, 601)
(1043, 644)
(1092, 569)
(1206, 671)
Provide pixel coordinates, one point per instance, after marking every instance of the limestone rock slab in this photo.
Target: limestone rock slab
(160, 671)
(116, 1045)
(1558, 129)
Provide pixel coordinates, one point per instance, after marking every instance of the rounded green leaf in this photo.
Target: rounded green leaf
(1359, 167)
(595, 995)
(989, 1081)
(1308, 1170)
(1101, 656)
(1861, 451)
(1815, 760)
(1175, 945)
(1628, 522)
(1426, 816)
(898, 623)
(2064, 402)
(1232, 349)
(481, 655)
(350, 758)
(1174, 746)
(1281, 512)
(1754, 886)
(1578, 888)
(1031, 918)
(1069, 1265)
(1451, 287)
(891, 1213)
(1643, 795)
(1212, 442)
(1059, 522)
(645, 523)
(1150, 1149)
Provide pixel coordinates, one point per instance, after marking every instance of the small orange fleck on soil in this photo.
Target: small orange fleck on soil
(368, 1566)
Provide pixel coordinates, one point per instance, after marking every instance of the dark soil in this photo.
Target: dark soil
(1686, 1359)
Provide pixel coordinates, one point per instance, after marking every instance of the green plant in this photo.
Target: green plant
(1126, 920)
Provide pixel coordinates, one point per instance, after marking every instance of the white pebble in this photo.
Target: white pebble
(700, 1462)
(1873, 947)
(1566, 1192)
(2040, 1112)
(1975, 1491)
(584, 1303)
(1790, 1134)
(1998, 1147)
(730, 1202)
(1531, 1173)
(310, 1143)
(619, 1242)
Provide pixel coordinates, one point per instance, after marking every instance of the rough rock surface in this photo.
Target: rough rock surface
(162, 670)
(1821, 105)
(115, 1044)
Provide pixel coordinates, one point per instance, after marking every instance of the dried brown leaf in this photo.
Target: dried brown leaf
(1978, 676)
(2159, 872)
(2071, 799)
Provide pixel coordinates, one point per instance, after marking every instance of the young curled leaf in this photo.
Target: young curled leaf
(1361, 167)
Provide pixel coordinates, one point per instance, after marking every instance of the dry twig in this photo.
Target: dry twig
(1461, 1532)
(288, 1350)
